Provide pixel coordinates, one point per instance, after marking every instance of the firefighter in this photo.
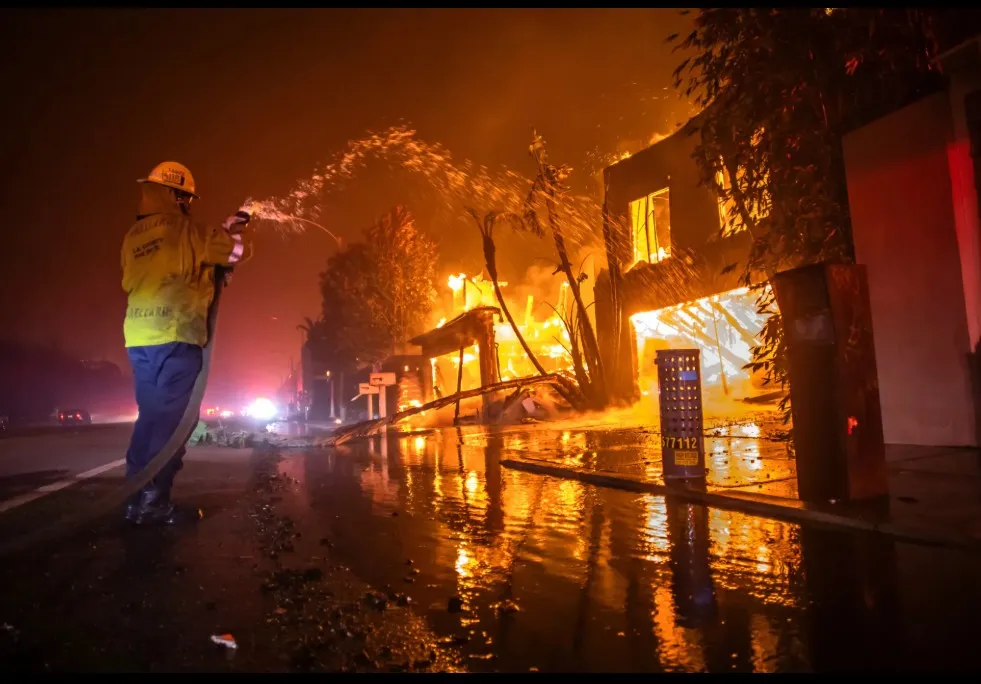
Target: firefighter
(169, 269)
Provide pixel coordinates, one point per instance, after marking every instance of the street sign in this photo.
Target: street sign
(366, 388)
(381, 379)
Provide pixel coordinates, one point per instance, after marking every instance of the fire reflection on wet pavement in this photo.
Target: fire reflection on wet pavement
(425, 542)
(553, 574)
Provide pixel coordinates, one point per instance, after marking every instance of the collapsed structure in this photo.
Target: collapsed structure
(471, 328)
(476, 348)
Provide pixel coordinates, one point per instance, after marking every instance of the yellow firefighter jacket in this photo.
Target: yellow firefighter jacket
(168, 271)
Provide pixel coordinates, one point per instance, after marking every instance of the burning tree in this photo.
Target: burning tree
(779, 87)
(547, 190)
(376, 293)
(583, 347)
(486, 227)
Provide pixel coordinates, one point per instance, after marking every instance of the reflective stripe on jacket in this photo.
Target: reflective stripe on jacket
(168, 271)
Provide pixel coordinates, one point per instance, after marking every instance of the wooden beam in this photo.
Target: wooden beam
(368, 427)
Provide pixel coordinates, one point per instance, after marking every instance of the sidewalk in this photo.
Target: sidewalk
(935, 493)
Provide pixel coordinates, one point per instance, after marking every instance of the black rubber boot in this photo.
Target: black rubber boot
(156, 508)
(132, 508)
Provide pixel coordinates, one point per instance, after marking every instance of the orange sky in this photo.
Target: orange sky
(251, 100)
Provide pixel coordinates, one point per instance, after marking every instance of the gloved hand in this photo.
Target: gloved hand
(234, 224)
(237, 221)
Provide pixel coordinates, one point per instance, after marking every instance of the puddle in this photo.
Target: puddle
(557, 575)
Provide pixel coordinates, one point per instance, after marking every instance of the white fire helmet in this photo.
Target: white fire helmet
(173, 175)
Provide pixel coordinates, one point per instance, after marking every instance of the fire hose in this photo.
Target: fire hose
(116, 498)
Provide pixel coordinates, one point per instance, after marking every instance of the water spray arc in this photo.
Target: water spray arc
(266, 211)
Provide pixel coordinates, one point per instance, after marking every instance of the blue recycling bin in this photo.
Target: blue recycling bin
(679, 384)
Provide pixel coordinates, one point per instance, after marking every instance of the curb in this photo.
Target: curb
(759, 504)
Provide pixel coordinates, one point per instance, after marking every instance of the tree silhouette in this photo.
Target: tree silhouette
(376, 293)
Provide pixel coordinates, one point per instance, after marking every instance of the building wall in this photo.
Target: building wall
(963, 157)
(963, 67)
(901, 198)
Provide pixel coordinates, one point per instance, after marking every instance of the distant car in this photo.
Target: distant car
(74, 417)
(4, 423)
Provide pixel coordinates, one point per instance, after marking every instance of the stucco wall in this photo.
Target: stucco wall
(900, 195)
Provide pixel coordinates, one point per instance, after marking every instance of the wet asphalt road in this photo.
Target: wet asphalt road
(423, 553)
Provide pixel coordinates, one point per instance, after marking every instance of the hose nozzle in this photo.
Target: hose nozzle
(246, 212)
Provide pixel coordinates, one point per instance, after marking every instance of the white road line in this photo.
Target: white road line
(22, 499)
(19, 501)
(101, 469)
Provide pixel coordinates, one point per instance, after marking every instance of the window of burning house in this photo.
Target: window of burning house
(650, 221)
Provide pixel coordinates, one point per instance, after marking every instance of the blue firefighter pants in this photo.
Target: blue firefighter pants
(164, 375)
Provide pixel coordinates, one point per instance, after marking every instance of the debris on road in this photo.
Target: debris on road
(323, 619)
(222, 436)
(200, 432)
(371, 427)
(228, 436)
(531, 404)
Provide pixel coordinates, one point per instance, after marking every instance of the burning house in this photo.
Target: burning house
(477, 347)
(470, 345)
(913, 198)
(473, 328)
(667, 285)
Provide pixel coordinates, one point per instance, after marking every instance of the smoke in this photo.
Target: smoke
(548, 287)
(539, 283)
